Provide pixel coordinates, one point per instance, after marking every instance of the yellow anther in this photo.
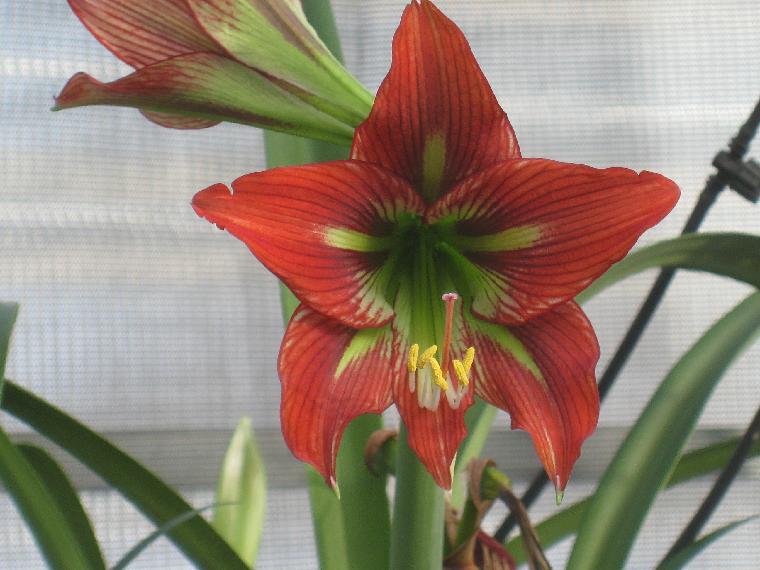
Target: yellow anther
(469, 358)
(414, 352)
(426, 356)
(438, 378)
(461, 372)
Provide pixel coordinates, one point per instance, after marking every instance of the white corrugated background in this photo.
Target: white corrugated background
(141, 320)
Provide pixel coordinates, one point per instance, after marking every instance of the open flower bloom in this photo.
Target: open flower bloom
(199, 62)
(435, 199)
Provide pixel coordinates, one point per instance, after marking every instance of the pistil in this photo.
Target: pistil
(426, 373)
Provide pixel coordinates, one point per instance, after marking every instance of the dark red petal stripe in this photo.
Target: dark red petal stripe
(316, 405)
(178, 121)
(586, 219)
(560, 411)
(141, 32)
(434, 91)
(283, 216)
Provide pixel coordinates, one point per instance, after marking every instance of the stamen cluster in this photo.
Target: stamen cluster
(425, 380)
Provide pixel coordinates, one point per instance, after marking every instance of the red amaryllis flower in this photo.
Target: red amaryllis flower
(436, 198)
(199, 62)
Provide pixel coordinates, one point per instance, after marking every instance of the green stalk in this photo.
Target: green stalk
(327, 517)
(417, 532)
(352, 532)
(479, 420)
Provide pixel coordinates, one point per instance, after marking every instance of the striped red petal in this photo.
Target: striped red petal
(533, 233)
(435, 119)
(330, 374)
(433, 435)
(302, 223)
(542, 373)
(141, 32)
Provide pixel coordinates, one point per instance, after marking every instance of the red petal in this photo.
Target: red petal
(435, 119)
(536, 232)
(434, 436)
(318, 399)
(557, 402)
(141, 32)
(287, 216)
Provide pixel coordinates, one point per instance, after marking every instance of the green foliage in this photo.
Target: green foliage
(242, 493)
(649, 453)
(683, 557)
(729, 254)
(8, 312)
(138, 548)
(690, 466)
(156, 500)
(56, 536)
(66, 500)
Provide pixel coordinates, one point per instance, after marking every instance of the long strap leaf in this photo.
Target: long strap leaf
(66, 499)
(141, 546)
(8, 312)
(55, 536)
(156, 500)
(685, 556)
(691, 465)
(729, 254)
(650, 451)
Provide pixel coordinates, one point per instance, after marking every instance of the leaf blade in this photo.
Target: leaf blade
(646, 457)
(67, 501)
(138, 548)
(733, 255)
(8, 314)
(683, 557)
(157, 501)
(242, 482)
(54, 535)
(691, 465)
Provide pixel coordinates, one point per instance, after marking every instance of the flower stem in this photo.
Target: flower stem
(417, 532)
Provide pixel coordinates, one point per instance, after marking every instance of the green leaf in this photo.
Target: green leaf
(683, 557)
(729, 254)
(55, 536)
(242, 483)
(691, 465)
(138, 548)
(67, 501)
(8, 313)
(650, 451)
(156, 500)
(479, 420)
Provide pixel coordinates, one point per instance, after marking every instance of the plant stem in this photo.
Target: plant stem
(353, 532)
(715, 184)
(417, 532)
(364, 501)
(722, 483)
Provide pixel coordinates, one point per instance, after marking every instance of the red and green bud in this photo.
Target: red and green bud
(256, 62)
